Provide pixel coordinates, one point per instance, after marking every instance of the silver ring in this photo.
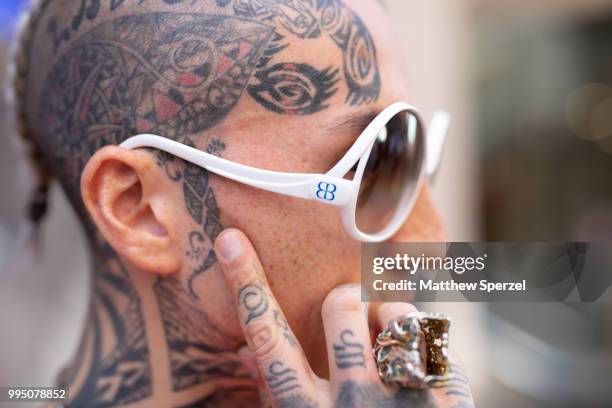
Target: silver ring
(399, 350)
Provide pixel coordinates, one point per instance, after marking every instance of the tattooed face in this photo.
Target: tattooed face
(283, 85)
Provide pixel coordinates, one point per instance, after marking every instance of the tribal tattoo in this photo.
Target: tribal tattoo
(88, 10)
(193, 362)
(201, 204)
(294, 88)
(302, 88)
(311, 19)
(178, 75)
(119, 370)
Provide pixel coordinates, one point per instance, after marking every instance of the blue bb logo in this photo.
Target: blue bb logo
(326, 191)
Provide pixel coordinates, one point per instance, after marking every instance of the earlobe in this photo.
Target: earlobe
(119, 191)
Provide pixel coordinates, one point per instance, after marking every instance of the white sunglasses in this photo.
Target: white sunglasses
(392, 156)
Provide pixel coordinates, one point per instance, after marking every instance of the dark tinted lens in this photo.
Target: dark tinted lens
(391, 173)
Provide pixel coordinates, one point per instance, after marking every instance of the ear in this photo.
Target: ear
(126, 202)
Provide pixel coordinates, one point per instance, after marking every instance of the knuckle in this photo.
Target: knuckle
(264, 338)
(347, 299)
(243, 275)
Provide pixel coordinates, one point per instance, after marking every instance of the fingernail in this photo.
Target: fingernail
(229, 246)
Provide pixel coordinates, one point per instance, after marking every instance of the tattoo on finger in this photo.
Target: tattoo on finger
(254, 299)
(282, 323)
(281, 379)
(285, 387)
(348, 353)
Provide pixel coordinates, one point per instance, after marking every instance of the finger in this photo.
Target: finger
(349, 348)
(280, 359)
(457, 390)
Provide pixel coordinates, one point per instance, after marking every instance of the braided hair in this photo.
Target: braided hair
(16, 92)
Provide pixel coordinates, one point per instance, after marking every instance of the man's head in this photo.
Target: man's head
(283, 85)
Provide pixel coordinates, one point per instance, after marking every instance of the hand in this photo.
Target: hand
(284, 370)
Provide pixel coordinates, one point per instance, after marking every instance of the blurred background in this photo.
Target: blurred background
(529, 158)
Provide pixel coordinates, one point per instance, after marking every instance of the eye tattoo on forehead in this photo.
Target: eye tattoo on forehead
(313, 19)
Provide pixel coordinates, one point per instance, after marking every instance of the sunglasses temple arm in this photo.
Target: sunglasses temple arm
(321, 187)
(328, 190)
(436, 137)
